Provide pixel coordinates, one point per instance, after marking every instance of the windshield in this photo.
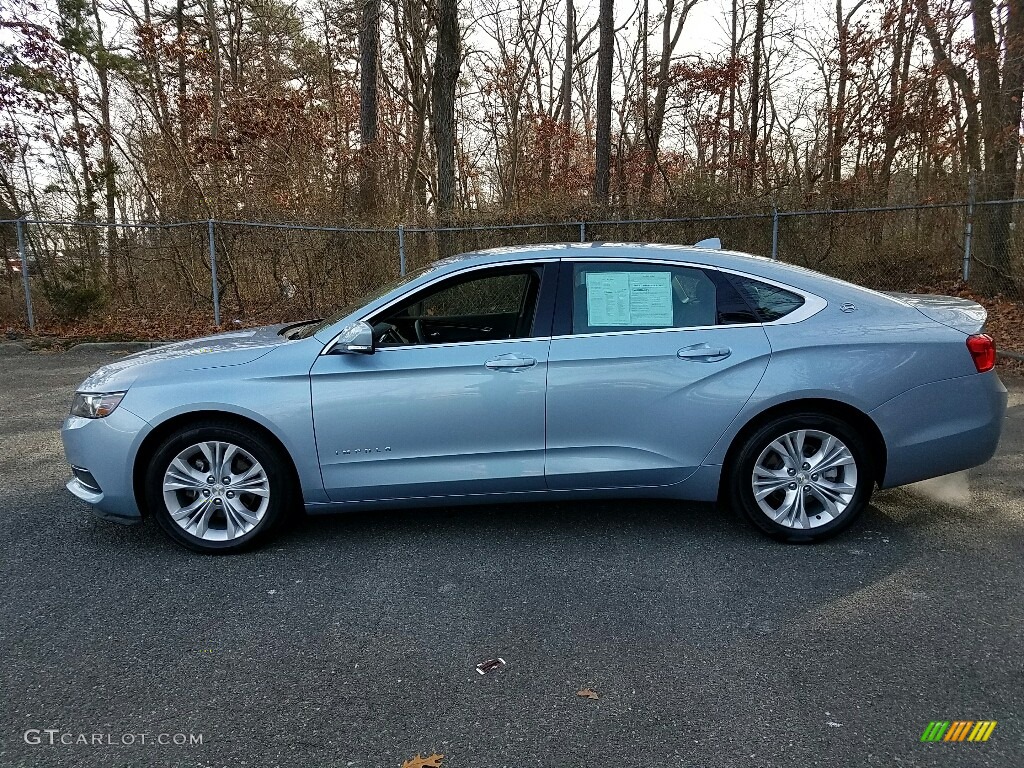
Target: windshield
(316, 326)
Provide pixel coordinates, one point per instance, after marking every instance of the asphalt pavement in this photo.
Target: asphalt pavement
(352, 640)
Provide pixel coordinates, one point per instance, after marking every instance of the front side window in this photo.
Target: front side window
(637, 296)
(486, 305)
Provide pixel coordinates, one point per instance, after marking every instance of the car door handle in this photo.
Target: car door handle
(509, 363)
(703, 353)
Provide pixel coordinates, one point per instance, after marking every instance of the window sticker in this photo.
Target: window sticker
(630, 299)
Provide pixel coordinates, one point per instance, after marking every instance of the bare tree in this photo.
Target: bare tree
(903, 34)
(755, 94)
(671, 31)
(567, 70)
(216, 102)
(838, 135)
(369, 56)
(108, 169)
(446, 76)
(603, 135)
(993, 113)
(733, 56)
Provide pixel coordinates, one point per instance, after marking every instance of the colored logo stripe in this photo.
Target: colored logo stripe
(982, 730)
(958, 730)
(935, 730)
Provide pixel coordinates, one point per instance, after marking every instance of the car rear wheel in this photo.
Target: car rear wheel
(802, 477)
(218, 488)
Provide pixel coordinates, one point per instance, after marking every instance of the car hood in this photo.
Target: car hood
(224, 349)
(963, 314)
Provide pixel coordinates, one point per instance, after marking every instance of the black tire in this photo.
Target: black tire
(277, 468)
(741, 495)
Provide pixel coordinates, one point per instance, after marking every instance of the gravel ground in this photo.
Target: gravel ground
(352, 640)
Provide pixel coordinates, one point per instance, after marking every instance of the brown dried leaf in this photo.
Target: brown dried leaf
(587, 693)
(434, 761)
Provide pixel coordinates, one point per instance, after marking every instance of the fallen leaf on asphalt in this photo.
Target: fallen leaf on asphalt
(587, 693)
(490, 665)
(434, 761)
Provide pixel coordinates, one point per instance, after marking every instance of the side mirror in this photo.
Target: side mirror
(356, 339)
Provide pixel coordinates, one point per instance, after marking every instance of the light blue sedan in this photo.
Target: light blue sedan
(587, 371)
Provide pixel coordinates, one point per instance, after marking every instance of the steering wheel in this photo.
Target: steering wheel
(418, 327)
(390, 334)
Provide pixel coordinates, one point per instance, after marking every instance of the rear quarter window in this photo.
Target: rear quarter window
(768, 301)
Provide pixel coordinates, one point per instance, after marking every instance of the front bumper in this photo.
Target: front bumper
(943, 427)
(106, 448)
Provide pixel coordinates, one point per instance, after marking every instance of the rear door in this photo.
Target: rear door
(649, 364)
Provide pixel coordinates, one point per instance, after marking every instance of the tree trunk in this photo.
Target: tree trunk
(216, 97)
(179, 29)
(669, 40)
(899, 75)
(412, 28)
(567, 74)
(839, 114)
(109, 169)
(1001, 117)
(755, 94)
(446, 74)
(369, 56)
(603, 137)
(733, 53)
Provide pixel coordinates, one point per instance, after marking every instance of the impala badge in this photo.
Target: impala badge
(358, 451)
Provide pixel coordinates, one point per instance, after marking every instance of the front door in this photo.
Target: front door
(452, 400)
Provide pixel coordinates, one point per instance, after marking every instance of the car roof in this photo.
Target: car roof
(592, 250)
(712, 257)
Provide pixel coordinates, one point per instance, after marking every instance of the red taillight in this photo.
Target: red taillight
(983, 350)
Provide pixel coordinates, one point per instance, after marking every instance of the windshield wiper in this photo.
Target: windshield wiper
(289, 330)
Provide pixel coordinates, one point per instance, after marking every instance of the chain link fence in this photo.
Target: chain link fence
(190, 275)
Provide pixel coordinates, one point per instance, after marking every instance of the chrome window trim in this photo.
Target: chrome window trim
(813, 304)
(460, 344)
(475, 267)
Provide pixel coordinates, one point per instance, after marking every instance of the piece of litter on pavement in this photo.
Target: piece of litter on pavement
(587, 693)
(834, 724)
(491, 665)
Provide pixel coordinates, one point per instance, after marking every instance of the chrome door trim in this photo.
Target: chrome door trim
(657, 330)
(442, 345)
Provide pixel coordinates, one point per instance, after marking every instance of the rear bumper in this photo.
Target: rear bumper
(943, 427)
(105, 448)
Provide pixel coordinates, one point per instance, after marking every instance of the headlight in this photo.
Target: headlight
(95, 405)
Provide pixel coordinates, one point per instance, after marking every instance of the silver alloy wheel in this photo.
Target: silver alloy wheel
(216, 491)
(804, 479)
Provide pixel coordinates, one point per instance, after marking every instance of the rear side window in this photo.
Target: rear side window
(610, 296)
(732, 308)
(770, 302)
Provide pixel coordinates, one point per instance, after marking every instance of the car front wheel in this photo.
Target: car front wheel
(218, 488)
(803, 477)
